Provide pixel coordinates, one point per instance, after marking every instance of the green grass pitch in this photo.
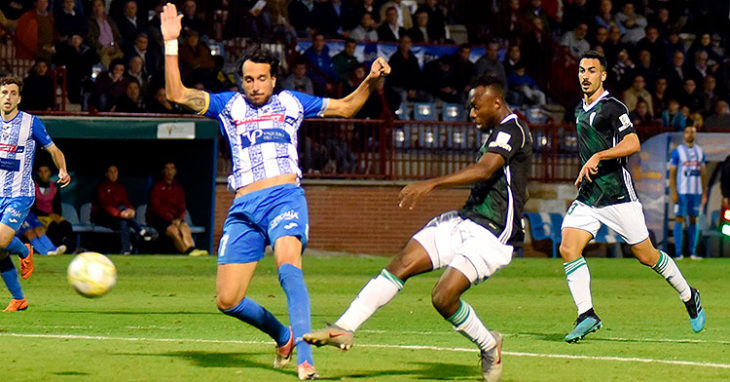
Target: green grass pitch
(160, 323)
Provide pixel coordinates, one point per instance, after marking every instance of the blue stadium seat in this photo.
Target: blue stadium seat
(141, 214)
(85, 219)
(452, 112)
(402, 113)
(546, 226)
(424, 111)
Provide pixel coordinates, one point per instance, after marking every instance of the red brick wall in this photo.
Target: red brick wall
(359, 218)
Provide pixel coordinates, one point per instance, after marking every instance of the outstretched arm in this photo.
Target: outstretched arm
(170, 26)
(351, 104)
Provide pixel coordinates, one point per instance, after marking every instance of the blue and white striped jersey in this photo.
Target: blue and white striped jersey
(689, 161)
(17, 149)
(263, 139)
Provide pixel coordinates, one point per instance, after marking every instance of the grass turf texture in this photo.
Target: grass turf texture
(160, 323)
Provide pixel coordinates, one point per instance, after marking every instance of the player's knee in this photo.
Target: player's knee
(568, 251)
(442, 300)
(227, 301)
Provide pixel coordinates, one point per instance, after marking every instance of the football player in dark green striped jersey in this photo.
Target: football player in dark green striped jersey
(606, 195)
(472, 243)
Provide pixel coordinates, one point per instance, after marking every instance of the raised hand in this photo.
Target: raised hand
(380, 68)
(170, 22)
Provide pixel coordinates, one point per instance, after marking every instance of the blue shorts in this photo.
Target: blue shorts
(258, 219)
(30, 222)
(689, 204)
(14, 210)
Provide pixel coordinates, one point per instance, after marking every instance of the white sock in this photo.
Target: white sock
(669, 270)
(466, 322)
(579, 283)
(376, 293)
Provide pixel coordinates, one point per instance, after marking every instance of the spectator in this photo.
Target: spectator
(704, 44)
(345, 61)
(38, 92)
(720, 119)
(167, 209)
(537, 51)
(332, 17)
(321, 69)
(709, 96)
(154, 33)
(109, 86)
(440, 79)
(301, 17)
(381, 100)
(661, 21)
(510, 23)
(279, 14)
(513, 58)
(659, 98)
(464, 69)
(78, 58)
(13, 9)
(536, 11)
(69, 21)
(690, 97)
(700, 69)
(159, 104)
(196, 63)
(676, 73)
(389, 30)
(636, 93)
(673, 117)
(578, 12)
(520, 82)
(104, 35)
(47, 208)
(631, 23)
(600, 37)
(605, 17)
(613, 45)
(34, 232)
(366, 6)
(437, 16)
(298, 79)
(130, 26)
(419, 32)
(673, 44)
(405, 76)
(190, 20)
(641, 115)
(645, 69)
(403, 19)
(35, 33)
(151, 59)
(131, 101)
(622, 72)
(111, 208)
(655, 45)
(135, 73)
(365, 30)
(490, 63)
(575, 40)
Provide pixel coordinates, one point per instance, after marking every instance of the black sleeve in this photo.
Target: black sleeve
(506, 140)
(619, 119)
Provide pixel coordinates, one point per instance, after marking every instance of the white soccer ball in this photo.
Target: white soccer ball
(92, 274)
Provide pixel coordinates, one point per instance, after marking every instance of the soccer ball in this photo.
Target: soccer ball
(92, 274)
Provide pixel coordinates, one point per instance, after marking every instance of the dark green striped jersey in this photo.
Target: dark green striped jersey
(602, 125)
(497, 203)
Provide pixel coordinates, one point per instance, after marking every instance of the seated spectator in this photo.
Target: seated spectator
(321, 70)
(675, 73)
(33, 231)
(298, 79)
(464, 69)
(510, 22)
(646, 69)
(576, 12)
(537, 51)
(190, 20)
(363, 7)
(38, 92)
(332, 17)
(605, 17)
(382, 101)
(389, 29)
(660, 97)
(345, 61)
(437, 16)
(301, 17)
(673, 117)
(489, 64)
(689, 96)
(166, 212)
(365, 30)
(641, 115)
(104, 35)
(575, 40)
(159, 104)
(69, 21)
(440, 80)
(130, 26)
(35, 33)
(613, 45)
(720, 119)
(709, 95)
(631, 23)
(282, 29)
(405, 76)
(47, 208)
(419, 32)
(135, 73)
(622, 73)
(151, 59)
(520, 82)
(637, 92)
(704, 44)
(112, 209)
(403, 14)
(196, 63)
(109, 86)
(600, 36)
(655, 45)
(534, 10)
(700, 69)
(131, 101)
(78, 58)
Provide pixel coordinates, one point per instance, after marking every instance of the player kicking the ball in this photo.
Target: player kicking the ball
(472, 243)
(606, 195)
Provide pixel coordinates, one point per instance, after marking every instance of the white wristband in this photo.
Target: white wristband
(171, 47)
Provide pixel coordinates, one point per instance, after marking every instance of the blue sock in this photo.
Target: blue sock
(39, 246)
(297, 297)
(16, 246)
(678, 232)
(251, 312)
(48, 243)
(10, 276)
(692, 237)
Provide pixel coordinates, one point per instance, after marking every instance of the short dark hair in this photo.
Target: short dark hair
(261, 56)
(490, 81)
(592, 54)
(12, 80)
(349, 40)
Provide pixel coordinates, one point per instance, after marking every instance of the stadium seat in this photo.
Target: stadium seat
(402, 113)
(141, 214)
(545, 226)
(452, 112)
(85, 219)
(194, 229)
(424, 111)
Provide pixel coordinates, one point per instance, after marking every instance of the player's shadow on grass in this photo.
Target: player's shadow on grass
(551, 337)
(135, 312)
(438, 371)
(238, 360)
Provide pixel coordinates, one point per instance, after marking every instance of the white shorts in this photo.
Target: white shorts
(451, 240)
(627, 219)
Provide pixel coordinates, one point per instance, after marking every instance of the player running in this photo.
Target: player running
(18, 138)
(606, 195)
(688, 187)
(269, 208)
(472, 243)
